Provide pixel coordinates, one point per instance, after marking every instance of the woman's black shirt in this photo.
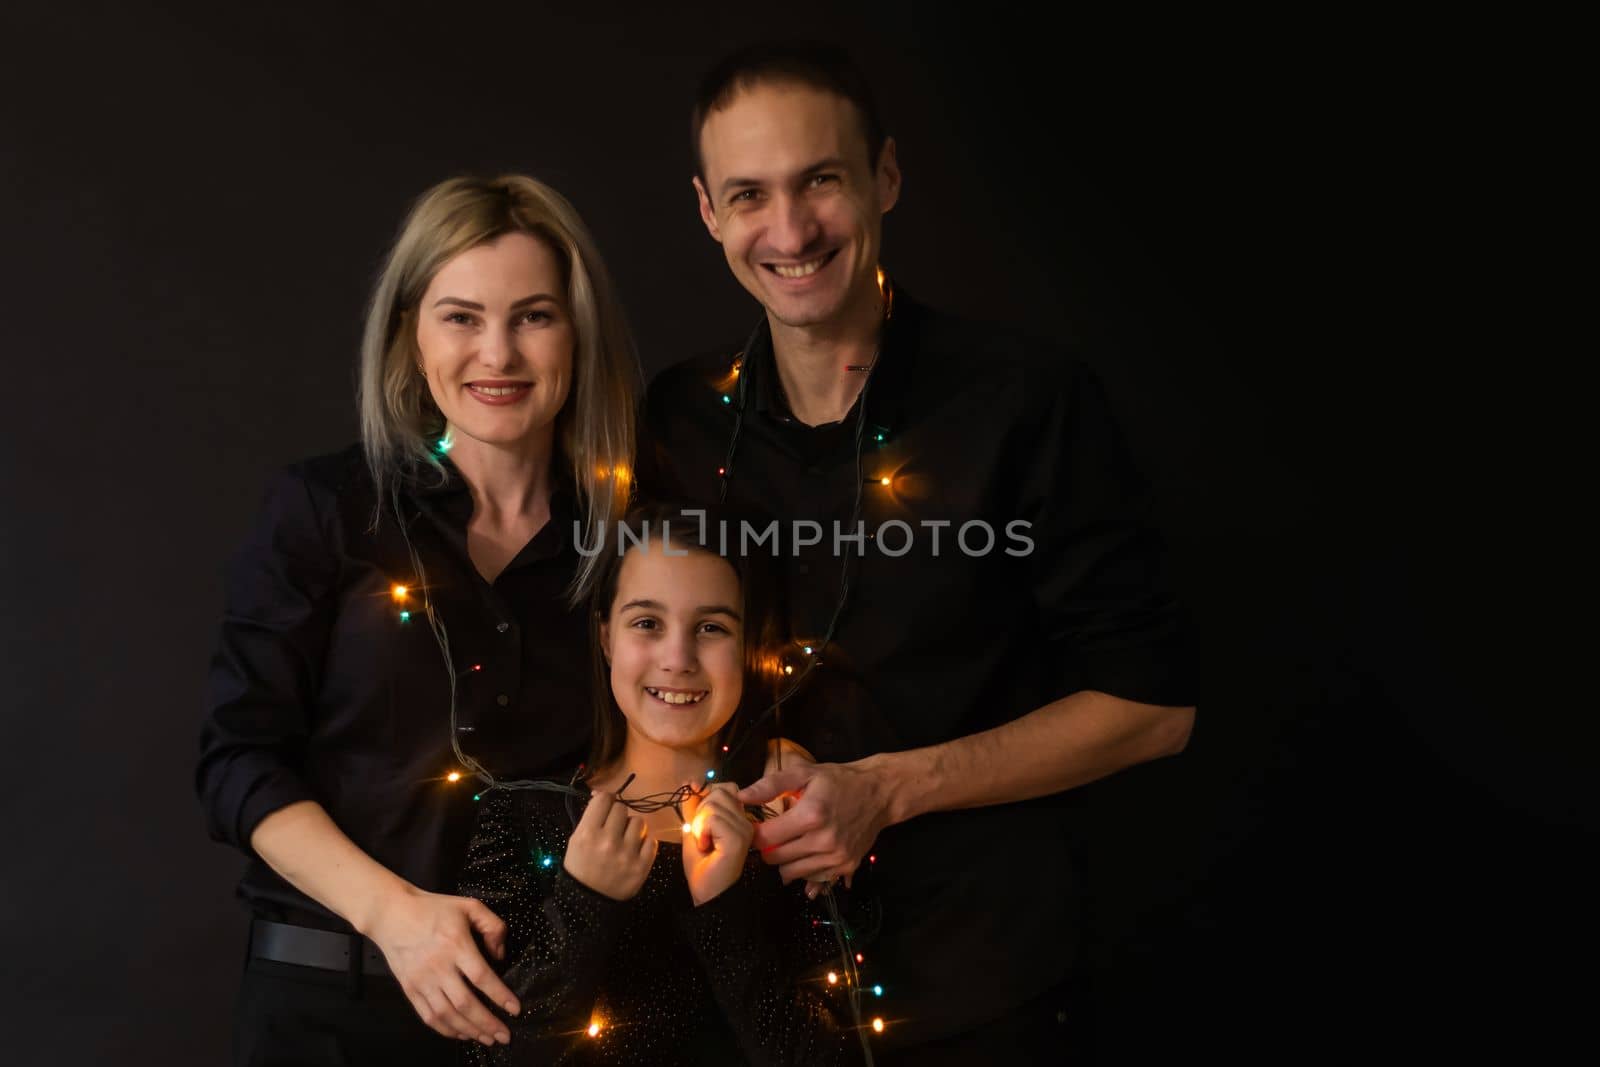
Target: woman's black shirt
(327, 686)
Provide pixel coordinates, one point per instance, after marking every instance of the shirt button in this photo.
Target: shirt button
(502, 700)
(503, 627)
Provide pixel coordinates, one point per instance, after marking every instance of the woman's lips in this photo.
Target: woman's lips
(498, 394)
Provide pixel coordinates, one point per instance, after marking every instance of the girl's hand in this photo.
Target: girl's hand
(611, 851)
(716, 843)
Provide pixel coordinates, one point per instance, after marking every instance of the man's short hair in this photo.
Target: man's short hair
(815, 64)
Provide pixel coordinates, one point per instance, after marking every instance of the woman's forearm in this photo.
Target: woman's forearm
(304, 845)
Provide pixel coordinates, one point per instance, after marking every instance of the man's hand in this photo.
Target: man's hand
(838, 812)
(427, 940)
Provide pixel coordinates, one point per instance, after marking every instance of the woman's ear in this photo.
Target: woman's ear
(605, 640)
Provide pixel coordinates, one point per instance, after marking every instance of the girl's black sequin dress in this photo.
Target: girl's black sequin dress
(740, 980)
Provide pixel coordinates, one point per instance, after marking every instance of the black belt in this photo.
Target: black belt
(309, 947)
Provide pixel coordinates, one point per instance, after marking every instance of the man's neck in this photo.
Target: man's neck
(814, 362)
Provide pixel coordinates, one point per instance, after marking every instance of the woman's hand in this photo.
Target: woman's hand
(611, 851)
(427, 940)
(716, 843)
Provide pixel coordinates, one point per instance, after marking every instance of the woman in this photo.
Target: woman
(401, 627)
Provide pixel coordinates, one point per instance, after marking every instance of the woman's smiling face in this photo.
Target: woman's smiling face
(495, 341)
(674, 641)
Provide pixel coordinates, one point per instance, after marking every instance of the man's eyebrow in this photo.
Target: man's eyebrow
(473, 305)
(830, 163)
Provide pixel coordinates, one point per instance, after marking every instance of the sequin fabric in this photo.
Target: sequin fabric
(741, 979)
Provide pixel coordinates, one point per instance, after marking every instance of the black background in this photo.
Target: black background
(1374, 842)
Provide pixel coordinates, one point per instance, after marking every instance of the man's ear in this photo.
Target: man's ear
(888, 177)
(707, 216)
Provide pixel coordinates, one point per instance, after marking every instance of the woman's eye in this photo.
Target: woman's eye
(537, 316)
(458, 318)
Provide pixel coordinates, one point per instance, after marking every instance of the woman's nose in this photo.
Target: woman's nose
(497, 349)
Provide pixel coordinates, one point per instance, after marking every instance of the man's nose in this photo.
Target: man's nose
(793, 227)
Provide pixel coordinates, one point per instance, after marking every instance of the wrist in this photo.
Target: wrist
(379, 904)
(896, 781)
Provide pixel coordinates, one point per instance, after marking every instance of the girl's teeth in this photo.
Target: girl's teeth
(676, 698)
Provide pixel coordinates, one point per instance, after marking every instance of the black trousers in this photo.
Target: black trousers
(1046, 1031)
(291, 1016)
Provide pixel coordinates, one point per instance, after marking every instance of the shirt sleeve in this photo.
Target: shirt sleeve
(279, 602)
(560, 933)
(765, 959)
(1098, 565)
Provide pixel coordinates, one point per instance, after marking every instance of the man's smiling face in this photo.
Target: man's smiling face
(798, 207)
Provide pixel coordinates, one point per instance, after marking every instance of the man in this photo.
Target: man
(1004, 634)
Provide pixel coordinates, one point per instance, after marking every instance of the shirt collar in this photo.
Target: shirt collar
(451, 499)
(891, 375)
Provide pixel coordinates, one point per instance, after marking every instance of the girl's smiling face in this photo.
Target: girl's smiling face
(674, 642)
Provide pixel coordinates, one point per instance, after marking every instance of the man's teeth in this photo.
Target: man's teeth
(677, 698)
(801, 270)
(496, 390)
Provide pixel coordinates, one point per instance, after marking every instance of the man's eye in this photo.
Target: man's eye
(743, 196)
(823, 179)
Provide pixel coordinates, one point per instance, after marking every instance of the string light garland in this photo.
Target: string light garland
(674, 799)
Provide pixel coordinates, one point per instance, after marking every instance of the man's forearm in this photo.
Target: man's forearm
(1066, 743)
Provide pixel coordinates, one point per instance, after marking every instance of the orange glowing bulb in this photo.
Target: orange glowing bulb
(594, 1029)
(860, 958)
(399, 592)
(688, 829)
(833, 979)
(877, 1026)
(453, 776)
(788, 668)
(885, 481)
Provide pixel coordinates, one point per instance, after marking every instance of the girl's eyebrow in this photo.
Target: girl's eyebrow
(704, 609)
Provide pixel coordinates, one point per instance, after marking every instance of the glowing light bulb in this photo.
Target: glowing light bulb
(405, 616)
(453, 776)
(594, 1028)
(877, 990)
(711, 774)
(860, 958)
(877, 1026)
(884, 481)
(872, 859)
(726, 399)
(788, 669)
(724, 748)
(547, 861)
(722, 472)
(880, 437)
(399, 592)
(808, 650)
(688, 829)
(477, 666)
(833, 979)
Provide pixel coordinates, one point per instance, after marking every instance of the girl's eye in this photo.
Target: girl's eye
(643, 624)
(713, 628)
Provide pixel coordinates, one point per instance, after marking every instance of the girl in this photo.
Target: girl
(641, 928)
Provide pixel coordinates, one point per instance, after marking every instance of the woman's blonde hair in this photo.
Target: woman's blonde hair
(594, 432)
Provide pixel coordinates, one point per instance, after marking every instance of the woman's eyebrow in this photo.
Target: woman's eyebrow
(473, 305)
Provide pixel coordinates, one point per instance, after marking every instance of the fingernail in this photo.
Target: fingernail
(503, 1037)
(512, 1009)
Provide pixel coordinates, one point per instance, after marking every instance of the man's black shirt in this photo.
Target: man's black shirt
(1046, 580)
(321, 690)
